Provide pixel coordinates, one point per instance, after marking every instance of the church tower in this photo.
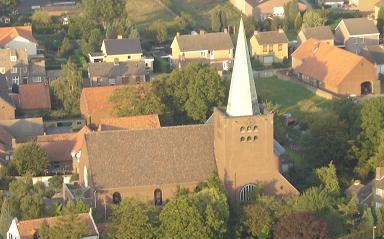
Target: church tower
(243, 136)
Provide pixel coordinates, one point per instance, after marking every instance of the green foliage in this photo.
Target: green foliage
(380, 20)
(41, 18)
(67, 88)
(65, 47)
(140, 100)
(218, 20)
(132, 219)
(279, 121)
(44, 231)
(291, 9)
(56, 182)
(328, 178)
(8, 3)
(257, 220)
(29, 158)
(298, 22)
(74, 177)
(160, 31)
(314, 200)
(313, 18)
(6, 216)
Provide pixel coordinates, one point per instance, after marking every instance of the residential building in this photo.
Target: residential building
(33, 98)
(29, 229)
(331, 3)
(263, 9)
(23, 130)
(335, 70)
(356, 33)
(269, 47)
(321, 33)
(237, 143)
(116, 73)
(215, 48)
(18, 37)
(366, 7)
(131, 122)
(95, 104)
(375, 54)
(7, 107)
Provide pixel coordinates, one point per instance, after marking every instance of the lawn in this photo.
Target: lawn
(292, 36)
(291, 97)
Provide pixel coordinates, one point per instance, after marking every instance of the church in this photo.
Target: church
(151, 164)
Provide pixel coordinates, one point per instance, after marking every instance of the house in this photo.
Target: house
(131, 122)
(375, 54)
(366, 7)
(95, 104)
(321, 33)
(23, 130)
(263, 9)
(29, 229)
(7, 107)
(116, 73)
(331, 3)
(152, 163)
(211, 48)
(5, 19)
(33, 97)
(18, 37)
(335, 70)
(121, 50)
(356, 33)
(269, 47)
(378, 5)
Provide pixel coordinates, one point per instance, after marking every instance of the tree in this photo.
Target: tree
(313, 18)
(380, 20)
(132, 219)
(6, 215)
(44, 231)
(132, 100)
(298, 22)
(65, 47)
(160, 31)
(67, 88)
(291, 9)
(41, 17)
(301, 225)
(29, 158)
(257, 220)
(7, 3)
(218, 21)
(56, 181)
(328, 178)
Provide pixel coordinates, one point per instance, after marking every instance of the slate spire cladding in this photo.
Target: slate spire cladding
(242, 99)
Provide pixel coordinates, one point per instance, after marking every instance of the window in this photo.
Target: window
(112, 81)
(14, 70)
(265, 48)
(249, 138)
(2, 70)
(15, 80)
(242, 129)
(249, 128)
(255, 128)
(116, 197)
(36, 79)
(254, 138)
(246, 191)
(25, 69)
(242, 139)
(270, 48)
(158, 196)
(13, 58)
(280, 47)
(129, 56)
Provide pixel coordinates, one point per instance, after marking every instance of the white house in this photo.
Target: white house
(29, 229)
(18, 37)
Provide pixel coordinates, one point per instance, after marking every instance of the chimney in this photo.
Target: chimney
(379, 173)
(356, 182)
(281, 30)
(116, 62)
(225, 30)
(119, 37)
(202, 32)
(178, 34)
(255, 32)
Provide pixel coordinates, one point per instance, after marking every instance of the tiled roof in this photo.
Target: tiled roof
(360, 26)
(34, 97)
(133, 122)
(326, 63)
(28, 228)
(9, 33)
(5, 96)
(122, 46)
(169, 155)
(271, 37)
(23, 128)
(110, 69)
(374, 54)
(319, 33)
(205, 41)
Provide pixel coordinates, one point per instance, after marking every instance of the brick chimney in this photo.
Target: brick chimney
(119, 37)
(379, 173)
(255, 32)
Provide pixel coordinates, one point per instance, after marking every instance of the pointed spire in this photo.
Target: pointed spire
(242, 99)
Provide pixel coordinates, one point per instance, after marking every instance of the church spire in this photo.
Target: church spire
(242, 99)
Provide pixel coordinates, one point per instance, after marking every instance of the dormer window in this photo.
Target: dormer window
(13, 58)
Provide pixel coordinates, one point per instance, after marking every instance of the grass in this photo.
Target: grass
(291, 36)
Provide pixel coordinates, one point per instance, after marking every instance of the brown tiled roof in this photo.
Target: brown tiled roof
(133, 122)
(266, 6)
(205, 41)
(271, 37)
(122, 46)
(319, 33)
(34, 97)
(9, 33)
(23, 128)
(112, 70)
(28, 228)
(59, 147)
(150, 156)
(326, 63)
(360, 26)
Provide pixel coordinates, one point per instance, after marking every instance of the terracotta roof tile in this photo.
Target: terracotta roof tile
(28, 228)
(9, 33)
(133, 122)
(34, 97)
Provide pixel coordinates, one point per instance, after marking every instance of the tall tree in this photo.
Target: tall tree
(41, 17)
(313, 18)
(257, 220)
(298, 22)
(6, 215)
(218, 21)
(67, 88)
(328, 178)
(65, 47)
(160, 31)
(380, 20)
(29, 158)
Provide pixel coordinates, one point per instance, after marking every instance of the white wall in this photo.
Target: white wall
(20, 42)
(44, 179)
(13, 230)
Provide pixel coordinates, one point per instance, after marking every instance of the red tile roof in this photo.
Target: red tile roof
(34, 97)
(133, 122)
(7, 34)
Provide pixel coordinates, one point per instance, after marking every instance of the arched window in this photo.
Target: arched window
(245, 192)
(158, 196)
(242, 139)
(116, 197)
(249, 138)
